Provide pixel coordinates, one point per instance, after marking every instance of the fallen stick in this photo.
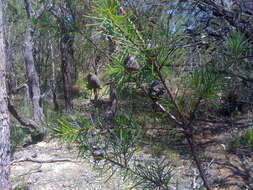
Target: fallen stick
(42, 161)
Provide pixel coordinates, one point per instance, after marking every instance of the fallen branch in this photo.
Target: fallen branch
(29, 159)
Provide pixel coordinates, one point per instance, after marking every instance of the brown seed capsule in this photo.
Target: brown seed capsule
(156, 89)
(131, 64)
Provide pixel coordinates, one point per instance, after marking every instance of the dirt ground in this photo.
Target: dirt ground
(51, 165)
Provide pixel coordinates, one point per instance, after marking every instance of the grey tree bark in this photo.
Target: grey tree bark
(10, 76)
(4, 117)
(66, 43)
(56, 106)
(32, 76)
(65, 19)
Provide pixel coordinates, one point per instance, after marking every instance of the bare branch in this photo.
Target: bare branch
(29, 159)
(19, 87)
(23, 121)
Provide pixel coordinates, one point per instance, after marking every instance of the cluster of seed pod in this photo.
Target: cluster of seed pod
(131, 64)
(156, 89)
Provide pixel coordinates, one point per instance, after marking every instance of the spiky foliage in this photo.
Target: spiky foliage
(129, 37)
(113, 150)
(159, 46)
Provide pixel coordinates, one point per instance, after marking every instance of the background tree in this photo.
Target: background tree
(65, 18)
(32, 76)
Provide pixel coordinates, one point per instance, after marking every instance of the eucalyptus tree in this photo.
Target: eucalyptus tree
(4, 117)
(64, 15)
(32, 76)
(14, 16)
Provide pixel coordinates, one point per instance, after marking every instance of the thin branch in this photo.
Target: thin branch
(170, 94)
(185, 128)
(19, 87)
(97, 48)
(170, 115)
(28, 159)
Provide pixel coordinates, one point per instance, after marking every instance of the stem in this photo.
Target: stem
(187, 135)
(170, 94)
(197, 161)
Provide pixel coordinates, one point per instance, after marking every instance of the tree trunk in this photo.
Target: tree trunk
(113, 91)
(11, 81)
(65, 19)
(32, 76)
(10, 76)
(66, 49)
(56, 106)
(4, 117)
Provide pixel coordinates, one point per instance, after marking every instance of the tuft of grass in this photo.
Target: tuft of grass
(237, 43)
(245, 140)
(249, 137)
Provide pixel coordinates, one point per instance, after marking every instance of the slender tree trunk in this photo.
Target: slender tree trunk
(66, 49)
(95, 66)
(10, 76)
(11, 81)
(32, 76)
(4, 117)
(113, 91)
(65, 18)
(56, 106)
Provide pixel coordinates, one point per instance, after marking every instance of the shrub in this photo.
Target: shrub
(113, 149)
(242, 142)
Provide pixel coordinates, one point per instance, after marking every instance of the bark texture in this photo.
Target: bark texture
(32, 76)
(33, 80)
(65, 18)
(66, 49)
(10, 76)
(4, 117)
(56, 106)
